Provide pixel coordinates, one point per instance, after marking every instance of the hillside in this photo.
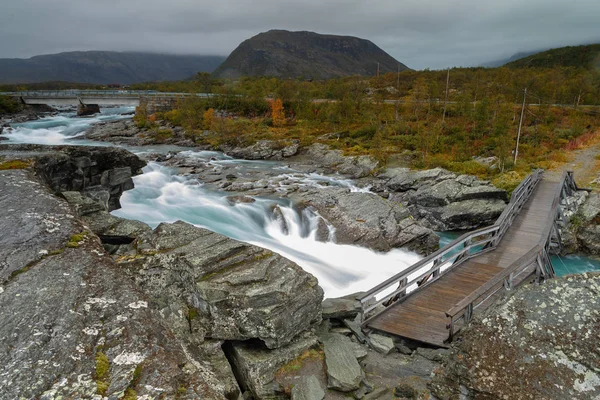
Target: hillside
(504, 61)
(285, 54)
(105, 67)
(587, 56)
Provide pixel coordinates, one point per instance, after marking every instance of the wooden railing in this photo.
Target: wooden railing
(537, 261)
(420, 275)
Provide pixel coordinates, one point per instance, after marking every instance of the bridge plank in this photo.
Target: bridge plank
(421, 316)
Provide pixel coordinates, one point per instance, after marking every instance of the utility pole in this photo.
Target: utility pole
(446, 97)
(398, 81)
(520, 124)
(378, 70)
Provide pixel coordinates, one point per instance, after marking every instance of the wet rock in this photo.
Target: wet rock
(257, 365)
(536, 344)
(381, 344)
(309, 388)
(84, 330)
(84, 110)
(343, 371)
(367, 220)
(236, 291)
(233, 200)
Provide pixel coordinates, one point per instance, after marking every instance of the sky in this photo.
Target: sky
(422, 34)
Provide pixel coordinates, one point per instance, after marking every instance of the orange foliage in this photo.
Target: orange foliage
(277, 113)
(152, 118)
(208, 118)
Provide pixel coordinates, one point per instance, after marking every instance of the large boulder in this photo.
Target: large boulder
(335, 161)
(73, 325)
(264, 150)
(586, 225)
(441, 200)
(101, 173)
(229, 290)
(548, 334)
(257, 366)
(368, 220)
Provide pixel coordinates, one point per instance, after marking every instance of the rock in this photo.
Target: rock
(236, 291)
(83, 328)
(309, 388)
(378, 393)
(442, 201)
(83, 205)
(101, 173)
(257, 366)
(233, 200)
(87, 109)
(360, 351)
(538, 343)
(405, 391)
(381, 344)
(334, 161)
(354, 326)
(432, 354)
(343, 371)
(264, 150)
(341, 308)
(367, 220)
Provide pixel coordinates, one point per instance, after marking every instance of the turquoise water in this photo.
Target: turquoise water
(563, 265)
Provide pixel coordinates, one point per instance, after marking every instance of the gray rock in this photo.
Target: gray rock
(343, 371)
(381, 344)
(76, 314)
(360, 351)
(378, 393)
(368, 220)
(236, 291)
(354, 326)
(256, 366)
(341, 308)
(541, 330)
(432, 354)
(442, 201)
(333, 160)
(264, 150)
(309, 388)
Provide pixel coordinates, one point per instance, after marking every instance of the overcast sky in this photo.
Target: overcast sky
(420, 33)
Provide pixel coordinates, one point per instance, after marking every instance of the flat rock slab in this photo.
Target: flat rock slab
(343, 371)
(381, 344)
(309, 388)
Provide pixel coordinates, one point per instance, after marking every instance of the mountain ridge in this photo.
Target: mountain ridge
(103, 67)
(288, 54)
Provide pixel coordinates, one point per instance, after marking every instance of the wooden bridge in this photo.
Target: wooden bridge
(434, 298)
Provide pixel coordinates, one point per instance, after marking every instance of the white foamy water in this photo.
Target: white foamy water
(61, 128)
(162, 196)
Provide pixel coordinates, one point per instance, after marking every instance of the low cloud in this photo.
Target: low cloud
(422, 34)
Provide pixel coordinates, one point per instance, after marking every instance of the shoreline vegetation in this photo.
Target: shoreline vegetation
(401, 119)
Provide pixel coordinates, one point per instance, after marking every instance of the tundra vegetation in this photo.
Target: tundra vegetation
(400, 118)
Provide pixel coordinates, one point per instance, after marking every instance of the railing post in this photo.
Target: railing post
(436, 271)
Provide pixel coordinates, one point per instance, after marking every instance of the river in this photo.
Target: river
(161, 195)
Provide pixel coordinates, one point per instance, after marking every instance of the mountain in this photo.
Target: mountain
(286, 54)
(514, 57)
(105, 67)
(586, 56)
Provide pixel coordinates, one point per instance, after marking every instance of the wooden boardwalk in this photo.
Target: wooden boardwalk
(422, 315)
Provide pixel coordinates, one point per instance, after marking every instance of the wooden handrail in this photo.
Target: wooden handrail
(539, 250)
(464, 244)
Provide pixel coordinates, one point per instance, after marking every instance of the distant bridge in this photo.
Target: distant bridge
(100, 97)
